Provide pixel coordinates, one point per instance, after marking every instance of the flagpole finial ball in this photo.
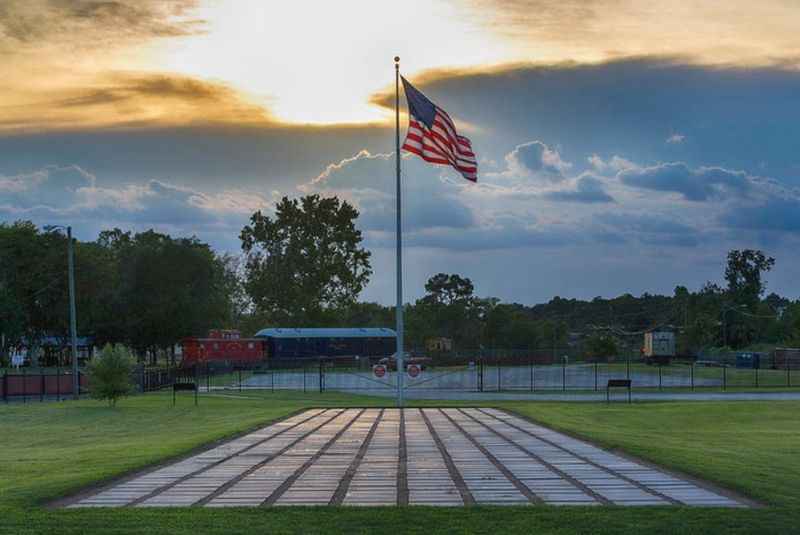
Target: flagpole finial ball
(397, 59)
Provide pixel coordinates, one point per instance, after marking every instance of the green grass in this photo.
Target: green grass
(48, 450)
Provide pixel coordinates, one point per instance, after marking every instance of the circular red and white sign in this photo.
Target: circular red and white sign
(413, 370)
(379, 370)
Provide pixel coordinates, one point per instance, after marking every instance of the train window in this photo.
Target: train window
(250, 345)
(216, 345)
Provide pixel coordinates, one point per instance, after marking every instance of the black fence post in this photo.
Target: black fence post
(788, 372)
(691, 376)
(628, 367)
(44, 386)
(724, 376)
(563, 375)
(196, 381)
(595, 376)
(5, 386)
(240, 379)
(498, 361)
(58, 383)
(532, 377)
(24, 385)
(321, 385)
(305, 365)
(659, 377)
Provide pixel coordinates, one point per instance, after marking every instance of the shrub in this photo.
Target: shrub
(110, 373)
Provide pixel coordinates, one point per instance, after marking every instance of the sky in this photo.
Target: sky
(624, 146)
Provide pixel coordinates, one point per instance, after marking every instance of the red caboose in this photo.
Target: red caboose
(224, 347)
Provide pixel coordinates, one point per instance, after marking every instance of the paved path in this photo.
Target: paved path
(447, 457)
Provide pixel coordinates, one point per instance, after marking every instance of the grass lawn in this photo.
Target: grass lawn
(48, 450)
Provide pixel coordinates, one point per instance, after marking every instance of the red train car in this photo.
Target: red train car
(224, 347)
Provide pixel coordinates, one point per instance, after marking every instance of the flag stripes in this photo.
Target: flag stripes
(433, 137)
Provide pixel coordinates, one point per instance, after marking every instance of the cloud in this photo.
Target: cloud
(535, 159)
(676, 139)
(432, 199)
(588, 189)
(134, 100)
(70, 193)
(698, 184)
(600, 29)
(775, 214)
(89, 23)
(624, 106)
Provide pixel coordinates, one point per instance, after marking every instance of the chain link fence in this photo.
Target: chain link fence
(465, 371)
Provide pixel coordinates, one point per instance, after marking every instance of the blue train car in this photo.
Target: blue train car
(291, 343)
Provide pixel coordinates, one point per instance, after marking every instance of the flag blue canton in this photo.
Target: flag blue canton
(433, 137)
(418, 104)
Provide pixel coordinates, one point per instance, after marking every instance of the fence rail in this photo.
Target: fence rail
(480, 371)
(495, 373)
(39, 384)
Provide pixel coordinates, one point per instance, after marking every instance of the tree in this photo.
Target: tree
(305, 263)
(743, 274)
(601, 346)
(446, 290)
(449, 309)
(110, 374)
(164, 289)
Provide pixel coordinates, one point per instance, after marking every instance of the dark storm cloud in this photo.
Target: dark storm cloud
(738, 118)
(588, 189)
(699, 184)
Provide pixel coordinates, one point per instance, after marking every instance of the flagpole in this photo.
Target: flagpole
(399, 310)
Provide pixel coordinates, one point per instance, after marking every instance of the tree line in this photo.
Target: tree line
(305, 265)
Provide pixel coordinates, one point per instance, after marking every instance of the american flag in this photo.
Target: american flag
(432, 135)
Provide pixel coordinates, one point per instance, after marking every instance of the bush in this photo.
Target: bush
(110, 373)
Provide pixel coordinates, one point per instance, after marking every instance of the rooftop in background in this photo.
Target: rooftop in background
(358, 332)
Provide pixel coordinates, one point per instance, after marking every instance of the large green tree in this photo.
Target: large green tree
(744, 276)
(305, 264)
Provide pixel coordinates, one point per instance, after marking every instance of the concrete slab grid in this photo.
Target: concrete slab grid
(370, 457)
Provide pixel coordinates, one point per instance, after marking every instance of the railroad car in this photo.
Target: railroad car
(227, 347)
(311, 343)
(222, 346)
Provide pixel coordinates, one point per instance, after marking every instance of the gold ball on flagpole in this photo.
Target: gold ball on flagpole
(397, 59)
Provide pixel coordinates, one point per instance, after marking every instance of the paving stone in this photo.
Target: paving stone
(352, 456)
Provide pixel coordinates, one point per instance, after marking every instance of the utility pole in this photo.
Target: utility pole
(72, 315)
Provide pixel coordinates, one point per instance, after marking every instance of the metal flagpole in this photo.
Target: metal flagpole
(399, 310)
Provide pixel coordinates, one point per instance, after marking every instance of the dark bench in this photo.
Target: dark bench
(618, 383)
(184, 387)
